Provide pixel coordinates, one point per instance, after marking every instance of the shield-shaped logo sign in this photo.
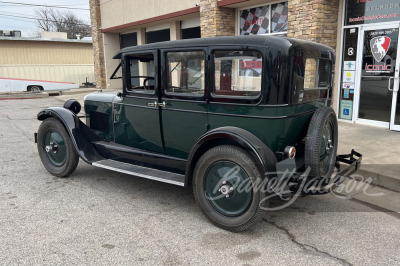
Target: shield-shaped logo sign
(379, 47)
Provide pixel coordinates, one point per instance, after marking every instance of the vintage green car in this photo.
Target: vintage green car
(224, 115)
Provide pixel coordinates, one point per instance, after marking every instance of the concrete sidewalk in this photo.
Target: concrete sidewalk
(379, 147)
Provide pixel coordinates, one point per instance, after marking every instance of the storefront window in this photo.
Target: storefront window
(265, 19)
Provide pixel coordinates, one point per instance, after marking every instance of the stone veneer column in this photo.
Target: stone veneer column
(314, 20)
(216, 21)
(98, 49)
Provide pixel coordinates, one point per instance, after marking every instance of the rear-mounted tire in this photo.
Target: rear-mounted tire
(321, 143)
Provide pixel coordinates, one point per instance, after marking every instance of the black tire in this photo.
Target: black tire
(62, 160)
(251, 211)
(322, 143)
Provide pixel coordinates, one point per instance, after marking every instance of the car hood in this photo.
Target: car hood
(106, 97)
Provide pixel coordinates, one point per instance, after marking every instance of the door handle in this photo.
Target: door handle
(152, 104)
(163, 104)
(390, 82)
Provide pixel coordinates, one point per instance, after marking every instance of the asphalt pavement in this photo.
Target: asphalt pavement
(99, 217)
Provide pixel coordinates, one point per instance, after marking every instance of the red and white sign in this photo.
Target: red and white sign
(251, 64)
(379, 47)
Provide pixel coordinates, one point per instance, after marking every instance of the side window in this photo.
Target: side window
(237, 73)
(141, 71)
(185, 73)
(314, 82)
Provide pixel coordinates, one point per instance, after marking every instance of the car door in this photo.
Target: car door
(136, 114)
(183, 100)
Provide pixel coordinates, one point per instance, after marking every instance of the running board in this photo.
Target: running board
(149, 173)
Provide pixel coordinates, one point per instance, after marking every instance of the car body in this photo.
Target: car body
(8, 85)
(207, 112)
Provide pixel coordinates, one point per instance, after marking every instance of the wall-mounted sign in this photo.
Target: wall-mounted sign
(346, 109)
(349, 65)
(347, 85)
(371, 11)
(349, 76)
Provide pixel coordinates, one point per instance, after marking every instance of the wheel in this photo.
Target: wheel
(35, 89)
(56, 149)
(224, 186)
(321, 143)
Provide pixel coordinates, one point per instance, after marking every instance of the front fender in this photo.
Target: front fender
(263, 157)
(81, 135)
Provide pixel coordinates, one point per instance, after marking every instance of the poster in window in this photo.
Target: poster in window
(254, 21)
(250, 68)
(279, 17)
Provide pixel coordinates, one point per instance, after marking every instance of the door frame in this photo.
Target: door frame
(357, 91)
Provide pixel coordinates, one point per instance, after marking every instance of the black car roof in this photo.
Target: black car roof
(252, 40)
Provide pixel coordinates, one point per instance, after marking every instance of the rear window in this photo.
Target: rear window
(237, 73)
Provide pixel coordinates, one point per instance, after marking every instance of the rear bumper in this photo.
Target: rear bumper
(298, 181)
(353, 160)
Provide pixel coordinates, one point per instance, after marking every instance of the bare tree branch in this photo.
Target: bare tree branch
(49, 19)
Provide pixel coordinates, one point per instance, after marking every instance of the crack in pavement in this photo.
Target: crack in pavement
(311, 249)
(25, 134)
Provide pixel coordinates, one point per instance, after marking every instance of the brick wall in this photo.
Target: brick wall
(216, 21)
(98, 50)
(314, 20)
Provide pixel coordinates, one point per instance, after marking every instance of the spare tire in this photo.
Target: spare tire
(321, 143)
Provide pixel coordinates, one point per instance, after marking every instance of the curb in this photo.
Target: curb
(78, 91)
(380, 180)
(21, 96)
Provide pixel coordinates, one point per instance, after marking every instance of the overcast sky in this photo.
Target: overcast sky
(9, 13)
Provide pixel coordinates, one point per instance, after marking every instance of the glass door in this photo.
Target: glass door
(379, 85)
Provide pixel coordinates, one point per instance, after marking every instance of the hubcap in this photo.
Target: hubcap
(228, 188)
(55, 148)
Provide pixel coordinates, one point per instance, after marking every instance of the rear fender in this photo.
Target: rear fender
(263, 157)
(81, 135)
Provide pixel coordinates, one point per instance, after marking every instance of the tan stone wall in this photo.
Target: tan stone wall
(314, 20)
(216, 21)
(98, 49)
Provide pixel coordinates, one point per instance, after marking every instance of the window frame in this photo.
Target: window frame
(164, 74)
(237, 99)
(127, 78)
